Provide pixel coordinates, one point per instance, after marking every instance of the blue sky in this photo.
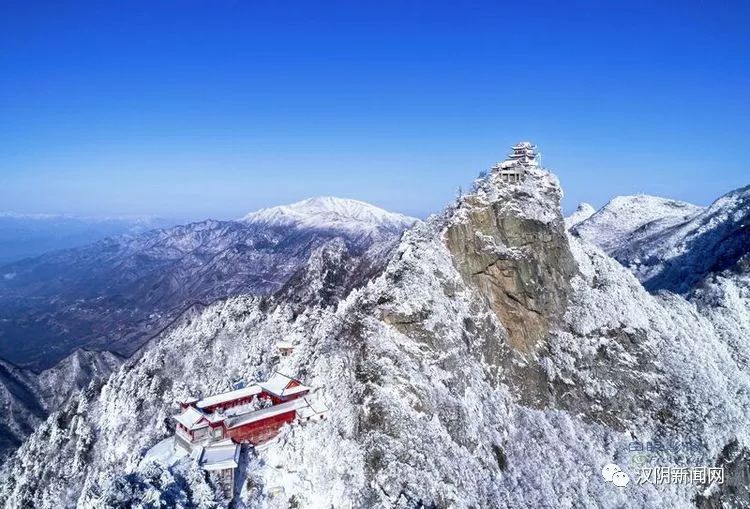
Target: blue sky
(211, 109)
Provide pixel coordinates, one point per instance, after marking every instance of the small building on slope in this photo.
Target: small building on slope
(285, 348)
(220, 460)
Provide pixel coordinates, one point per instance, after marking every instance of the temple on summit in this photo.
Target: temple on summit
(522, 157)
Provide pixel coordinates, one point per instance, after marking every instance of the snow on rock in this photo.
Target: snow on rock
(165, 452)
(28, 397)
(672, 245)
(626, 216)
(330, 213)
(582, 212)
(712, 241)
(508, 241)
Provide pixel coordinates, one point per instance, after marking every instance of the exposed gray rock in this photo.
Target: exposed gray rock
(521, 264)
(735, 491)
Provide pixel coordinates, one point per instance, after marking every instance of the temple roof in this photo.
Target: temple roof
(310, 410)
(220, 456)
(267, 413)
(282, 385)
(250, 390)
(191, 418)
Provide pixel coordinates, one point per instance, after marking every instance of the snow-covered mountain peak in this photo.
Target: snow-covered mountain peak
(648, 203)
(329, 212)
(625, 216)
(582, 212)
(670, 244)
(639, 209)
(737, 201)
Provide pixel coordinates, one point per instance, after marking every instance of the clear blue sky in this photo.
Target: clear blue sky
(196, 109)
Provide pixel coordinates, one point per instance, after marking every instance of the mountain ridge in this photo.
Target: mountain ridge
(29, 235)
(677, 249)
(28, 396)
(581, 213)
(329, 212)
(120, 291)
(625, 216)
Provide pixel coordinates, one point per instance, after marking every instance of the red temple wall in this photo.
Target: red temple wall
(261, 431)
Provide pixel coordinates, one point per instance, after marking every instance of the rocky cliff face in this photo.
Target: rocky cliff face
(509, 242)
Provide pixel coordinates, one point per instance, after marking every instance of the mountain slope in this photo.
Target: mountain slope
(432, 403)
(627, 218)
(119, 292)
(27, 398)
(582, 212)
(711, 242)
(673, 251)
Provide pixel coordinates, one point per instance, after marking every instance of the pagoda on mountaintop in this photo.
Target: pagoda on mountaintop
(522, 157)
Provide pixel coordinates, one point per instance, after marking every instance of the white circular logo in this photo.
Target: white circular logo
(620, 479)
(614, 474)
(609, 470)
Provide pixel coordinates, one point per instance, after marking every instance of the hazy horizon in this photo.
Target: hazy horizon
(194, 111)
(182, 219)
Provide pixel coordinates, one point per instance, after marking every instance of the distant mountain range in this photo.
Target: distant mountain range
(117, 292)
(27, 235)
(328, 213)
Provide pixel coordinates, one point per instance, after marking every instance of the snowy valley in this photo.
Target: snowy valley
(28, 397)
